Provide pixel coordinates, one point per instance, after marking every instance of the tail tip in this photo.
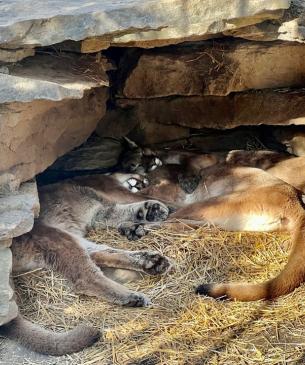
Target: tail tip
(204, 289)
(212, 290)
(91, 334)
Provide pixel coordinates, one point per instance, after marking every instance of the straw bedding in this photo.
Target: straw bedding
(181, 328)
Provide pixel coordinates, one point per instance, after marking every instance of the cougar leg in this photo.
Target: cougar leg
(129, 218)
(149, 262)
(61, 252)
(266, 209)
(122, 276)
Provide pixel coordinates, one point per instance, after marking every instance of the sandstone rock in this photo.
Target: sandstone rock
(15, 55)
(8, 307)
(34, 134)
(131, 22)
(291, 27)
(124, 123)
(51, 77)
(152, 133)
(282, 106)
(210, 68)
(18, 210)
(117, 123)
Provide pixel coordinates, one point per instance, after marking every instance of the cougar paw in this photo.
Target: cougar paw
(153, 211)
(136, 300)
(189, 183)
(132, 231)
(155, 162)
(153, 263)
(136, 183)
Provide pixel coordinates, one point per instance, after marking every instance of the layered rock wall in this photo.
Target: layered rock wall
(212, 63)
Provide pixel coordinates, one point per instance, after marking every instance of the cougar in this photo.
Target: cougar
(233, 192)
(57, 241)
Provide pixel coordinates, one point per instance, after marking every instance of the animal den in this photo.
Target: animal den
(151, 190)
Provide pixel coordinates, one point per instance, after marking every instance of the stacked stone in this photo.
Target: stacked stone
(17, 212)
(256, 78)
(50, 102)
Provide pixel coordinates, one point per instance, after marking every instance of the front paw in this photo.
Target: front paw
(132, 231)
(153, 263)
(136, 183)
(135, 299)
(153, 211)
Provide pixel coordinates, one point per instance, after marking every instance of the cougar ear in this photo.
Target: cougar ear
(131, 144)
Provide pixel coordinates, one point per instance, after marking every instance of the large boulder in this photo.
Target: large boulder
(35, 134)
(210, 68)
(270, 107)
(49, 106)
(148, 23)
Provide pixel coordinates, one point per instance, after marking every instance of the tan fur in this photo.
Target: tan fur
(57, 241)
(239, 198)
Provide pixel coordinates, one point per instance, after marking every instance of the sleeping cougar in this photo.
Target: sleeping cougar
(68, 210)
(231, 191)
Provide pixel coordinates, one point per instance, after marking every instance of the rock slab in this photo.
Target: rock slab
(51, 77)
(35, 134)
(8, 307)
(270, 107)
(18, 210)
(210, 68)
(148, 23)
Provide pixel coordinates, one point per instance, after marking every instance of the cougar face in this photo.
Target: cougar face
(135, 159)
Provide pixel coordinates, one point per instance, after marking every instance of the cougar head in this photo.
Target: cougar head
(135, 159)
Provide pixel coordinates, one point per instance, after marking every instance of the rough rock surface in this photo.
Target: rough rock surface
(26, 23)
(50, 77)
(34, 134)
(17, 212)
(124, 123)
(210, 68)
(8, 307)
(15, 55)
(271, 107)
(49, 104)
(291, 27)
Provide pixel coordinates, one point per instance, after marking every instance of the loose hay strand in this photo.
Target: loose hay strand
(181, 328)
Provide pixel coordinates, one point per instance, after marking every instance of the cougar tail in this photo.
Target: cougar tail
(287, 280)
(47, 342)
